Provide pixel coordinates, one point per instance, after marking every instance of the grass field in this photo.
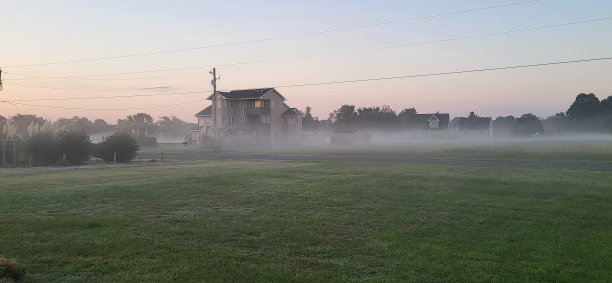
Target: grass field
(581, 148)
(298, 221)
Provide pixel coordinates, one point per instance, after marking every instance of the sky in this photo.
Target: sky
(74, 58)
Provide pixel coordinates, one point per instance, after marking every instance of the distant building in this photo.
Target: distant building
(251, 116)
(421, 125)
(472, 126)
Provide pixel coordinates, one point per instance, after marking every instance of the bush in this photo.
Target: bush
(76, 146)
(9, 269)
(43, 147)
(121, 143)
(143, 140)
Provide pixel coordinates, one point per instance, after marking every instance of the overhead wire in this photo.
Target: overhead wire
(446, 73)
(277, 37)
(35, 77)
(352, 81)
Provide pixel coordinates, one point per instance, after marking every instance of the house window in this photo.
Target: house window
(285, 120)
(227, 103)
(228, 120)
(243, 119)
(433, 124)
(265, 119)
(249, 104)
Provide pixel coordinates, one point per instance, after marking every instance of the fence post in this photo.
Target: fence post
(30, 161)
(162, 156)
(114, 158)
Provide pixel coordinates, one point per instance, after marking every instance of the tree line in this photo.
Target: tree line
(21, 126)
(586, 114)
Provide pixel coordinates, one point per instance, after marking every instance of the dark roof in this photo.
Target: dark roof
(421, 121)
(205, 112)
(473, 123)
(255, 93)
(292, 112)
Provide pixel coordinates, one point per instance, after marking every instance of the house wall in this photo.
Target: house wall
(277, 108)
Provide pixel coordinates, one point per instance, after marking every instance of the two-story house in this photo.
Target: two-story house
(429, 125)
(251, 116)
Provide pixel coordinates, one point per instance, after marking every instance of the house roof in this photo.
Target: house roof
(292, 112)
(473, 123)
(256, 93)
(205, 112)
(421, 121)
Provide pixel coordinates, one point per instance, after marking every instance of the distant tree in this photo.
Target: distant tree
(345, 116)
(473, 115)
(585, 106)
(141, 123)
(556, 123)
(606, 105)
(75, 124)
(528, 124)
(503, 125)
(100, 126)
(375, 117)
(404, 115)
(607, 124)
(172, 126)
(120, 143)
(2, 122)
(309, 123)
(75, 145)
(22, 122)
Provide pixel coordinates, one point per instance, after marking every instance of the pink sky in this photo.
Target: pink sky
(41, 32)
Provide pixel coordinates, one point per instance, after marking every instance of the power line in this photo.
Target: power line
(113, 89)
(305, 56)
(107, 97)
(100, 109)
(278, 37)
(446, 73)
(354, 81)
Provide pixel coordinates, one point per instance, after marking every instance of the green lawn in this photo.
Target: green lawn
(292, 221)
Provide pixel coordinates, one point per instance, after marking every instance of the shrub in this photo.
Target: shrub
(143, 140)
(43, 147)
(9, 269)
(121, 143)
(76, 146)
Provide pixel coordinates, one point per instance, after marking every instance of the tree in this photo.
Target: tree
(375, 117)
(607, 124)
(22, 122)
(309, 123)
(120, 143)
(345, 116)
(75, 145)
(528, 124)
(100, 126)
(172, 126)
(473, 115)
(2, 122)
(504, 125)
(75, 124)
(141, 123)
(404, 115)
(585, 106)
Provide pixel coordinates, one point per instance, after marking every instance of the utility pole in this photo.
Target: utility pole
(214, 105)
(0, 79)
